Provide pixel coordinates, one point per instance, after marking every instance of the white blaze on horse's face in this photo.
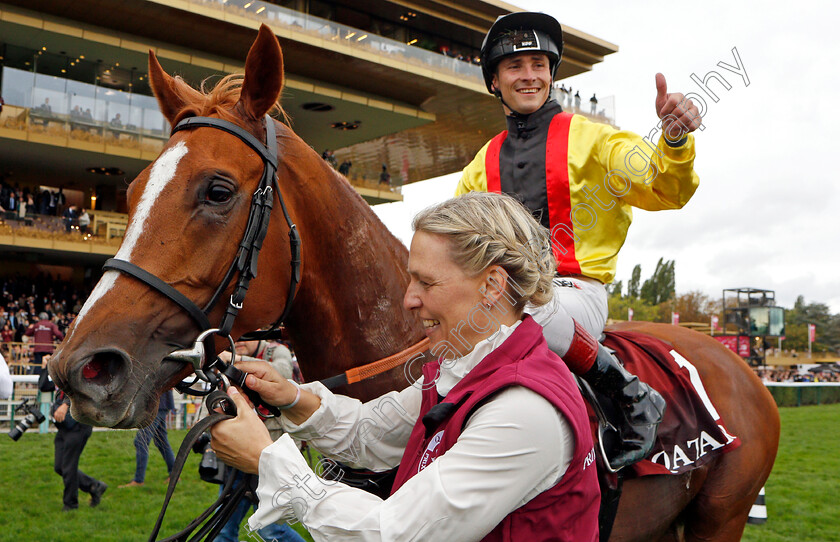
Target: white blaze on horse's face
(162, 172)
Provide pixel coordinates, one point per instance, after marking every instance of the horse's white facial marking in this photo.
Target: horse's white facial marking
(102, 286)
(163, 171)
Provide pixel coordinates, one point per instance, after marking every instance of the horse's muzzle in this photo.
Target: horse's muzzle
(98, 383)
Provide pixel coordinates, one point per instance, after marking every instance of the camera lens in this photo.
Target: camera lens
(21, 427)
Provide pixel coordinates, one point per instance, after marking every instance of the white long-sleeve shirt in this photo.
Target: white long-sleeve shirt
(513, 448)
(6, 384)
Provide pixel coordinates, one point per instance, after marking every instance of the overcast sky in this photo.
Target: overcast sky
(767, 211)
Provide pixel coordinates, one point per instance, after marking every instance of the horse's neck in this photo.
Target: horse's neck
(348, 311)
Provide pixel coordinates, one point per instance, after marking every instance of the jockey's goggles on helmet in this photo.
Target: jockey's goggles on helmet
(520, 33)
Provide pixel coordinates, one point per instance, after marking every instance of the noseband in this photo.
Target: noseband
(245, 261)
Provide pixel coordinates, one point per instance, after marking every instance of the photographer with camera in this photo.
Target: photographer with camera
(69, 443)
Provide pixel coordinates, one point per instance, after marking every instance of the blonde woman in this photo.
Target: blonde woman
(492, 443)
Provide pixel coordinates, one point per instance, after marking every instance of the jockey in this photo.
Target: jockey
(580, 179)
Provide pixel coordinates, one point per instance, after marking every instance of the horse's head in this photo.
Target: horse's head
(187, 212)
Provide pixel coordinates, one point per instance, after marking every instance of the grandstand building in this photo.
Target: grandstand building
(378, 82)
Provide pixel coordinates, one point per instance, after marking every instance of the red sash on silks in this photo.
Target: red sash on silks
(691, 433)
(557, 188)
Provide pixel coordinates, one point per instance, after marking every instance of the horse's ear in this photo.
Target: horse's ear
(172, 93)
(263, 75)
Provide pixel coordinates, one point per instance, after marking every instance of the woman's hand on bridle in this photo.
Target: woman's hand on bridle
(277, 391)
(266, 381)
(239, 442)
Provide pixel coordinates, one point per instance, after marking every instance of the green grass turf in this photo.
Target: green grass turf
(30, 491)
(802, 499)
(803, 504)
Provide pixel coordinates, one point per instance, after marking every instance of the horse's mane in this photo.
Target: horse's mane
(220, 99)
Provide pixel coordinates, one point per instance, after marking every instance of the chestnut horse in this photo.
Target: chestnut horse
(189, 208)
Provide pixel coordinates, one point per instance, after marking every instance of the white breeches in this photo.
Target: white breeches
(578, 299)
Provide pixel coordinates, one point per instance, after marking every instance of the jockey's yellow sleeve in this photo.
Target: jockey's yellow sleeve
(609, 171)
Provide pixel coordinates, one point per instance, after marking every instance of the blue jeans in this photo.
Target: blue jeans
(156, 431)
(269, 533)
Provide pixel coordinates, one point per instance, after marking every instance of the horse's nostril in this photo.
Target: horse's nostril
(102, 368)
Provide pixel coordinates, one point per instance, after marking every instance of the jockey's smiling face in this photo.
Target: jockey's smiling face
(442, 294)
(524, 80)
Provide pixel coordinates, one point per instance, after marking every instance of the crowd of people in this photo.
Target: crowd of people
(570, 98)
(28, 304)
(788, 374)
(344, 168)
(26, 201)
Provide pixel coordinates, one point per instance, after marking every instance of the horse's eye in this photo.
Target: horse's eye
(218, 194)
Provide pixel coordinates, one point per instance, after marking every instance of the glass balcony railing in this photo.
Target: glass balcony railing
(60, 107)
(347, 35)
(601, 111)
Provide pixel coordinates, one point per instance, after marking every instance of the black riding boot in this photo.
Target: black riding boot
(641, 405)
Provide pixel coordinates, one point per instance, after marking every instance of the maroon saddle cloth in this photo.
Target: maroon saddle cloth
(692, 432)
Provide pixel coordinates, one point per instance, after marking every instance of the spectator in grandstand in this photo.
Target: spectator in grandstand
(45, 108)
(84, 221)
(70, 217)
(280, 358)
(7, 334)
(344, 168)
(43, 333)
(156, 431)
(69, 444)
(385, 177)
(5, 379)
(44, 202)
(329, 156)
(53, 209)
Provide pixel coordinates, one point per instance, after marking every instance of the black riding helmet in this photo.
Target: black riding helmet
(518, 32)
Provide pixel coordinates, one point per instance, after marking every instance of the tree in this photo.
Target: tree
(633, 285)
(692, 307)
(796, 327)
(642, 311)
(660, 287)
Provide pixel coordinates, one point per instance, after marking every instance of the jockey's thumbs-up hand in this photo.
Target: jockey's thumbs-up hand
(679, 115)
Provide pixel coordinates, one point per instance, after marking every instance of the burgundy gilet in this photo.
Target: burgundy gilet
(569, 510)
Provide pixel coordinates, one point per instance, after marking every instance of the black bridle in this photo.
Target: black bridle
(245, 265)
(245, 261)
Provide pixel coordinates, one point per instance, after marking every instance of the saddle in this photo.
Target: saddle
(691, 433)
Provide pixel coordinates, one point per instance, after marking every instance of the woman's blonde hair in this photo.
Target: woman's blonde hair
(487, 229)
